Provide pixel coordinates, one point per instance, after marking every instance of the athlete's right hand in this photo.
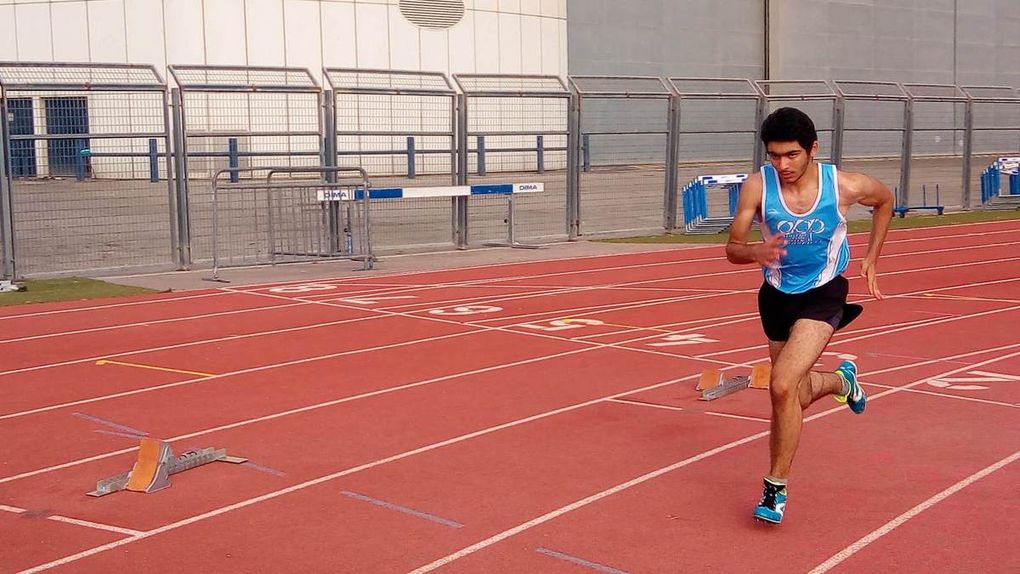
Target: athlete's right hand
(769, 252)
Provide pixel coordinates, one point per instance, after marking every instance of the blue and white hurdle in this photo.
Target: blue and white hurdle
(991, 178)
(695, 202)
(508, 190)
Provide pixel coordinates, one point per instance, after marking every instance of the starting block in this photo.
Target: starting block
(713, 384)
(156, 462)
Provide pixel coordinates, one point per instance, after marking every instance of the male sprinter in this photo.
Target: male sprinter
(802, 205)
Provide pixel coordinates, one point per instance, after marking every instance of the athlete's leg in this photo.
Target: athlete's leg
(814, 385)
(792, 384)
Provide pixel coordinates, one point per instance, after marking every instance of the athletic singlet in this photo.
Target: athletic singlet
(817, 250)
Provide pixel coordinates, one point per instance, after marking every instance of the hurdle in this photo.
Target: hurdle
(695, 201)
(991, 178)
(713, 384)
(507, 190)
(156, 463)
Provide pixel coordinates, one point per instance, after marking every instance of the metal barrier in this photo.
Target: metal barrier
(992, 129)
(276, 220)
(935, 147)
(629, 165)
(720, 114)
(874, 119)
(233, 117)
(515, 129)
(85, 183)
(399, 126)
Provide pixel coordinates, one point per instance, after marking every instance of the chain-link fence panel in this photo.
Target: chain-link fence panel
(400, 127)
(514, 129)
(88, 153)
(231, 117)
(994, 129)
(717, 131)
(873, 132)
(934, 163)
(288, 214)
(625, 149)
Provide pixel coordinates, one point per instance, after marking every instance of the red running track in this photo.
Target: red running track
(535, 417)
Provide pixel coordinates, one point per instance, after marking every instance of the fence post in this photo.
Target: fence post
(540, 150)
(334, 218)
(232, 159)
(573, 175)
(6, 201)
(181, 177)
(968, 149)
(410, 158)
(460, 212)
(903, 194)
(153, 161)
(586, 151)
(481, 155)
(838, 115)
(672, 158)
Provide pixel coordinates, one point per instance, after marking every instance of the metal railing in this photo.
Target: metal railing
(86, 181)
(95, 178)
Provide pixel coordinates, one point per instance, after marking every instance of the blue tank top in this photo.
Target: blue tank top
(817, 250)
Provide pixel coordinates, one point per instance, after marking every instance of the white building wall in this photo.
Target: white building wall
(495, 36)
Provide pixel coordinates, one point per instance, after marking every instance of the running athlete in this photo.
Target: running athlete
(802, 205)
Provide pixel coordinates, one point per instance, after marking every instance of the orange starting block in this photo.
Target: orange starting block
(713, 384)
(156, 462)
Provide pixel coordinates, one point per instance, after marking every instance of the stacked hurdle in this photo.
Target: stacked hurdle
(697, 219)
(991, 178)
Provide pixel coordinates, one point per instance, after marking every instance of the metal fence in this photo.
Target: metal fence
(992, 124)
(95, 179)
(873, 133)
(86, 183)
(400, 126)
(722, 115)
(289, 214)
(628, 164)
(238, 117)
(513, 129)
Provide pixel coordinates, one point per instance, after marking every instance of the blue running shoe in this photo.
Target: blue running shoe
(773, 503)
(855, 399)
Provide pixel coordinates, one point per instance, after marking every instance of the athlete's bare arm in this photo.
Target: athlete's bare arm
(738, 250)
(868, 191)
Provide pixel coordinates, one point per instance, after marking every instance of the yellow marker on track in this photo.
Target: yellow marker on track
(102, 362)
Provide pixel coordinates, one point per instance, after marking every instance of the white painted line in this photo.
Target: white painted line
(113, 305)
(740, 417)
(95, 525)
(74, 521)
(149, 322)
(468, 436)
(634, 403)
(913, 512)
(642, 479)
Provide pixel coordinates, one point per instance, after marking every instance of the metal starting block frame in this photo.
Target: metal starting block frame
(713, 384)
(156, 462)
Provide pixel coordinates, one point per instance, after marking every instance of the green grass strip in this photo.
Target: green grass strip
(68, 289)
(857, 226)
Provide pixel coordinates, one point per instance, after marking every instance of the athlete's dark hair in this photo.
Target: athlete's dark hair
(788, 125)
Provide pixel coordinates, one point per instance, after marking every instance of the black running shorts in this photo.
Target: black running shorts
(779, 311)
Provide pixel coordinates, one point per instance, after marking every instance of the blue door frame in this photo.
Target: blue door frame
(67, 116)
(21, 123)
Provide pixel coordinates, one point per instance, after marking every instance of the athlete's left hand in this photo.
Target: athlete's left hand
(870, 274)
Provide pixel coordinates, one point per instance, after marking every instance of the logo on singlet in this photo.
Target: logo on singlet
(801, 231)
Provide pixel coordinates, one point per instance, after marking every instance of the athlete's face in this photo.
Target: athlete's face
(790, 160)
